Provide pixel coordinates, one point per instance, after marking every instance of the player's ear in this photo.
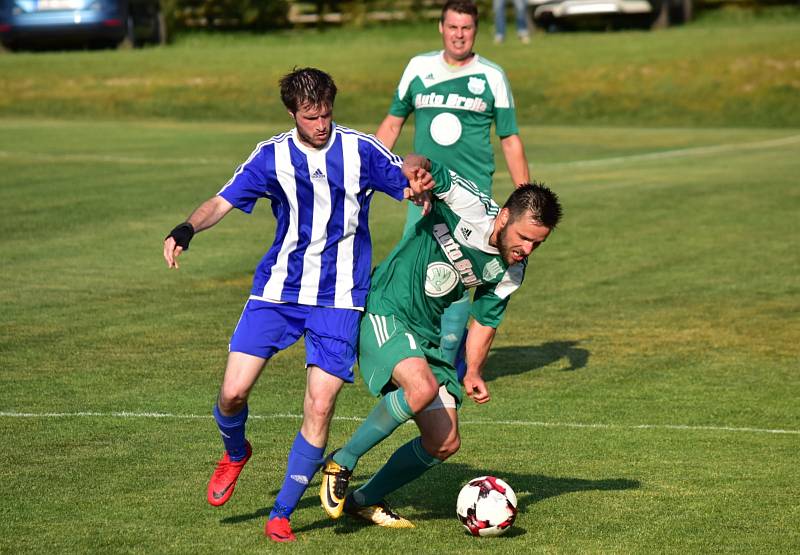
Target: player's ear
(503, 217)
(291, 115)
(441, 27)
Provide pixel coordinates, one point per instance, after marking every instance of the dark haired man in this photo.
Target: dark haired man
(466, 242)
(455, 96)
(313, 280)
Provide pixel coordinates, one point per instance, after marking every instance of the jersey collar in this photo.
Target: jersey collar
(308, 150)
(458, 69)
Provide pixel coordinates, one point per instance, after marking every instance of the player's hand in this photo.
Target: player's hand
(415, 169)
(178, 241)
(423, 200)
(426, 204)
(476, 388)
(171, 252)
(422, 181)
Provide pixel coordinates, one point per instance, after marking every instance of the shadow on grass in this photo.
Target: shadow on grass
(530, 488)
(509, 361)
(447, 480)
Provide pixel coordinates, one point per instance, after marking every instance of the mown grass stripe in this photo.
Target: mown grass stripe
(678, 153)
(646, 156)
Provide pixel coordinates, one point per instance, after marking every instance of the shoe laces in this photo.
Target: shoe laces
(341, 478)
(226, 465)
(279, 524)
(388, 510)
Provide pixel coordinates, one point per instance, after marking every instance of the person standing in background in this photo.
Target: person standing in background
(521, 19)
(456, 95)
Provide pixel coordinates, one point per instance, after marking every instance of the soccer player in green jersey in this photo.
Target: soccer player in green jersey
(466, 242)
(455, 96)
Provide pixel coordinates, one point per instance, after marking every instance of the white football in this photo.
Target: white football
(487, 506)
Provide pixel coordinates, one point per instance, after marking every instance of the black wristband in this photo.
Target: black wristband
(182, 234)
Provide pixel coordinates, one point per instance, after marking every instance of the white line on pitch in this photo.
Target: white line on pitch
(166, 415)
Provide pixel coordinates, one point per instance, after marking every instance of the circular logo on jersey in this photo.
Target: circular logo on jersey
(446, 129)
(440, 279)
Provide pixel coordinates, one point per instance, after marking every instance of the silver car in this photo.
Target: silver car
(89, 23)
(569, 14)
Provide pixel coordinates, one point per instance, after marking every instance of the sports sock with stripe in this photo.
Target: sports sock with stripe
(232, 430)
(408, 463)
(304, 461)
(391, 411)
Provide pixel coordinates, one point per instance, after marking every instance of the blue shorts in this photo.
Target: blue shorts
(331, 334)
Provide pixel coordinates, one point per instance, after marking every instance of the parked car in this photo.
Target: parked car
(569, 14)
(87, 23)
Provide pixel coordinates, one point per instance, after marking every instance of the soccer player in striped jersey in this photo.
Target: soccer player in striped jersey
(313, 281)
(467, 242)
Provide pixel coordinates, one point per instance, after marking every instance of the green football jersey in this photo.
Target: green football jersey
(454, 107)
(447, 253)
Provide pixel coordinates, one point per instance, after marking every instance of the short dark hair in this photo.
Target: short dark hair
(307, 85)
(461, 6)
(539, 201)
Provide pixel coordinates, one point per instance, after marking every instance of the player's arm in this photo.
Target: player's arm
(389, 130)
(479, 340)
(517, 163)
(489, 305)
(205, 216)
(417, 169)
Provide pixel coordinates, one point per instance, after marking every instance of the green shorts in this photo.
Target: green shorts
(384, 341)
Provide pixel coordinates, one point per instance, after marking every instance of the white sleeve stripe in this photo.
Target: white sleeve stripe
(456, 180)
(259, 147)
(406, 78)
(393, 158)
(374, 141)
(498, 82)
(511, 281)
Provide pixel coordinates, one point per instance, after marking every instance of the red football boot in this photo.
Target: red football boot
(220, 487)
(278, 529)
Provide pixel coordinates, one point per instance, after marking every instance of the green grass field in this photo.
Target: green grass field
(645, 382)
(720, 71)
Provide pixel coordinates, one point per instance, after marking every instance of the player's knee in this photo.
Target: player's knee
(445, 448)
(318, 411)
(421, 395)
(232, 399)
(452, 445)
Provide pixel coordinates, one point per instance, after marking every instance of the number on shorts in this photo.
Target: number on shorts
(411, 342)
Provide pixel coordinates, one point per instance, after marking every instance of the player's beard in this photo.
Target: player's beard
(313, 140)
(506, 251)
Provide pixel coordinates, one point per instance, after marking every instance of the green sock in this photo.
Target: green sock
(391, 411)
(454, 320)
(408, 463)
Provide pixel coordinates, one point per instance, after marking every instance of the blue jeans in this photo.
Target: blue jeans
(500, 17)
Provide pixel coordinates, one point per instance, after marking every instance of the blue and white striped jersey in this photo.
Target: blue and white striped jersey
(322, 252)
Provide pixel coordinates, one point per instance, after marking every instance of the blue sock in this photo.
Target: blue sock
(232, 430)
(304, 461)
